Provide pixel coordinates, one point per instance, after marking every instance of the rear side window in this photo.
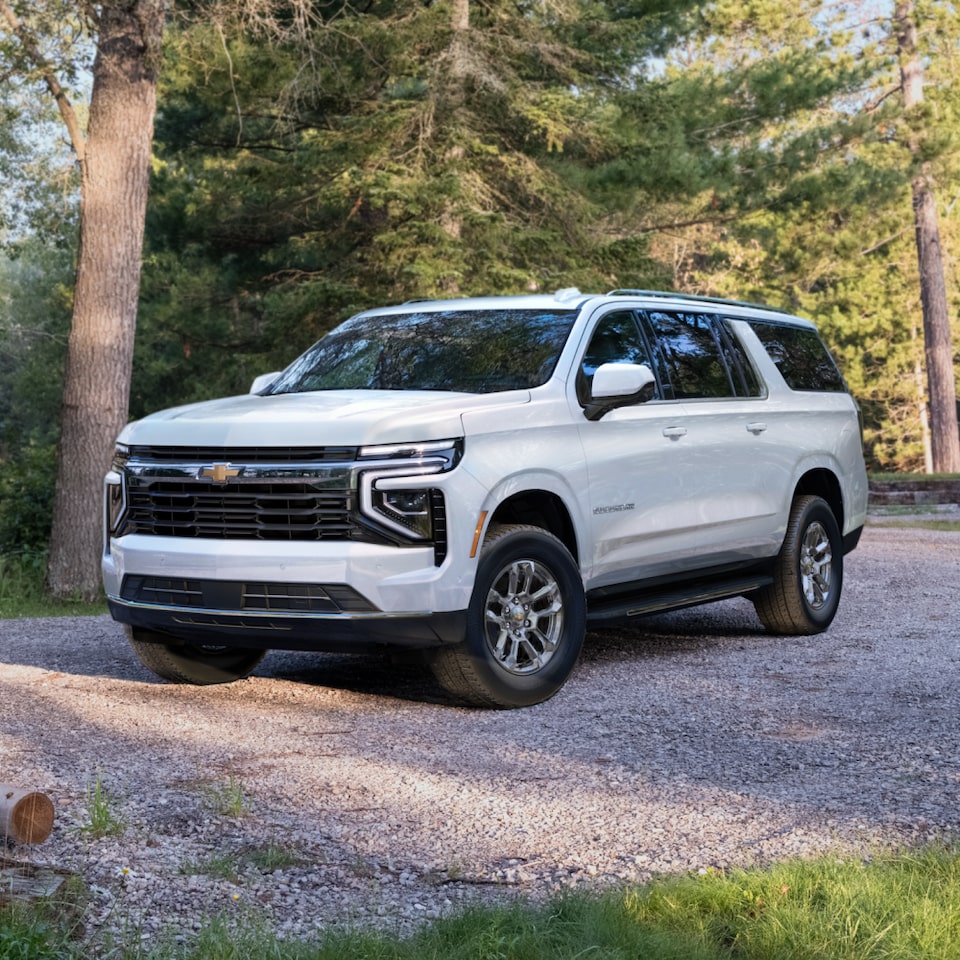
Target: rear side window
(800, 356)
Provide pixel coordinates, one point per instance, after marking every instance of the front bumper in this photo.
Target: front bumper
(343, 633)
(298, 596)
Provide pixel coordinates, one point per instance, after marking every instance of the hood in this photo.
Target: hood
(327, 418)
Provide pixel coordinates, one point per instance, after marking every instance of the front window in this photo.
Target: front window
(464, 351)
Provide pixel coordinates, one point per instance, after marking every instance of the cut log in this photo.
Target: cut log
(25, 816)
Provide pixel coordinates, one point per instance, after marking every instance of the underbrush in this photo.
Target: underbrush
(22, 591)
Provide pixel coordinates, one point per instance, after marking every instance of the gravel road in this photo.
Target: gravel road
(327, 790)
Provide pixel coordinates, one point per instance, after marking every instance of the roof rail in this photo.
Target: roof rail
(696, 298)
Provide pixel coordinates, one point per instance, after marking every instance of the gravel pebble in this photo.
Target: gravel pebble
(327, 792)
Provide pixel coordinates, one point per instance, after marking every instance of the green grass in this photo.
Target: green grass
(950, 525)
(228, 799)
(101, 817)
(899, 906)
(22, 592)
(888, 477)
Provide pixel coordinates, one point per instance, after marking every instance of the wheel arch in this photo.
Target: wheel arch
(540, 508)
(823, 483)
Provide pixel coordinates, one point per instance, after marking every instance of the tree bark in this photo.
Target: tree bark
(114, 181)
(938, 347)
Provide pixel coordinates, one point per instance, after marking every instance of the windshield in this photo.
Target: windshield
(466, 351)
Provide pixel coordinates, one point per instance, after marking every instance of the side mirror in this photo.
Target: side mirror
(263, 381)
(619, 385)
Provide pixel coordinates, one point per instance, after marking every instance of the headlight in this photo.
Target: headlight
(448, 451)
(389, 495)
(121, 454)
(114, 506)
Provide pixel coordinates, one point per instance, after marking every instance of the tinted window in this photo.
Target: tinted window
(800, 356)
(745, 378)
(691, 356)
(616, 339)
(469, 351)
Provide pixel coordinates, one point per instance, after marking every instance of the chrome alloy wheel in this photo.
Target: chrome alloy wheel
(816, 565)
(524, 616)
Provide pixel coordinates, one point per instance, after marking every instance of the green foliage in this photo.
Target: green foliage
(23, 938)
(34, 312)
(391, 158)
(22, 592)
(26, 497)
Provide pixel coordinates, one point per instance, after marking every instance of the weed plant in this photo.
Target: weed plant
(229, 799)
(102, 820)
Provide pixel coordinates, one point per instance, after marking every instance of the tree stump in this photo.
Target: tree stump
(25, 816)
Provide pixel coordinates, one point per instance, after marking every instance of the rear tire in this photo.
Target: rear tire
(525, 623)
(191, 663)
(808, 573)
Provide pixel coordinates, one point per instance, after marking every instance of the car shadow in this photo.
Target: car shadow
(405, 675)
(97, 647)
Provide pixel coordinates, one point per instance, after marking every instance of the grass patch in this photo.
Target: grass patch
(221, 866)
(950, 525)
(272, 856)
(102, 819)
(900, 477)
(22, 592)
(228, 799)
(901, 906)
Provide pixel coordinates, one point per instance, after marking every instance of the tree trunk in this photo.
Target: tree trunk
(115, 172)
(938, 348)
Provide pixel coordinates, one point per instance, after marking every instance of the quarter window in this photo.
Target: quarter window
(800, 356)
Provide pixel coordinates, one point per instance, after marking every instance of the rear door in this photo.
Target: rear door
(734, 442)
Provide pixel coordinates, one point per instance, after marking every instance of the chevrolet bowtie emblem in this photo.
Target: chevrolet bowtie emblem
(220, 472)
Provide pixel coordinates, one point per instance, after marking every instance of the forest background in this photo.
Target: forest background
(311, 159)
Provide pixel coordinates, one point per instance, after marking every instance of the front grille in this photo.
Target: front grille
(248, 511)
(241, 596)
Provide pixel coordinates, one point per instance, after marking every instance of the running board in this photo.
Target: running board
(656, 601)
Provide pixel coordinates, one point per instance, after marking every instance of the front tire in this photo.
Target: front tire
(191, 663)
(525, 623)
(808, 574)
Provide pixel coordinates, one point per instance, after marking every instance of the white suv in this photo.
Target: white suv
(484, 478)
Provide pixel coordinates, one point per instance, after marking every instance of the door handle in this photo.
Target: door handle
(674, 433)
(758, 426)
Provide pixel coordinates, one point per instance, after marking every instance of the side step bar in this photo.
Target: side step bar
(690, 595)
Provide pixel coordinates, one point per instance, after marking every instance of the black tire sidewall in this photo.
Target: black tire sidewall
(527, 544)
(190, 663)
